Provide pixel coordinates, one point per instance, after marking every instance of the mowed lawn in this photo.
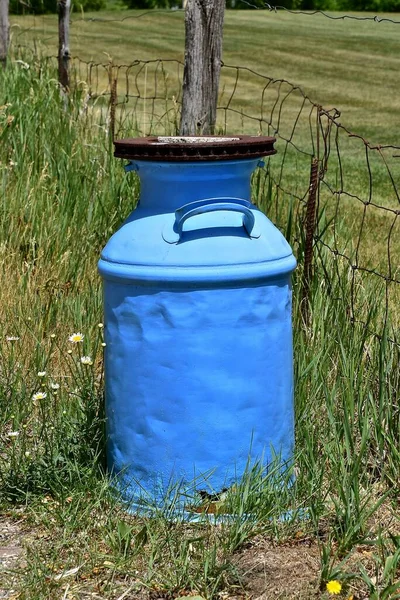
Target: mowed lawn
(352, 65)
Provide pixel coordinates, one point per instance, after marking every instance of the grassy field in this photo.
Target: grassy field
(350, 65)
(344, 64)
(66, 536)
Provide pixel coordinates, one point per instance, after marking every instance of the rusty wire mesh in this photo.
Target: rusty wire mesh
(332, 192)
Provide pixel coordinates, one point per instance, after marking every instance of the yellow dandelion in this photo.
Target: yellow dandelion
(334, 587)
(75, 338)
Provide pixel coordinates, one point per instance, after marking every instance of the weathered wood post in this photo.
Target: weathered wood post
(204, 21)
(4, 31)
(64, 7)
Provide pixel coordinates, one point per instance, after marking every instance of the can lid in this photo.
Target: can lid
(194, 148)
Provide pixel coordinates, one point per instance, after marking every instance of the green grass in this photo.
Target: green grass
(62, 196)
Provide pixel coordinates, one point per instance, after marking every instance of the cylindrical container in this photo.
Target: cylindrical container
(197, 313)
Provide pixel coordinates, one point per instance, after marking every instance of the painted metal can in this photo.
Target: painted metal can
(197, 314)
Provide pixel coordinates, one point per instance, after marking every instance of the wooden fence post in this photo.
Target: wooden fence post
(204, 21)
(4, 31)
(64, 8)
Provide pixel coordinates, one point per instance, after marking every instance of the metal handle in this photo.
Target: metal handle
(199, 207)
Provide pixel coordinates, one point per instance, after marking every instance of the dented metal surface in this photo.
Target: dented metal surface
(198, 359)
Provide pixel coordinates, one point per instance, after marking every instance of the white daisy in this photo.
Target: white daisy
(75, 338)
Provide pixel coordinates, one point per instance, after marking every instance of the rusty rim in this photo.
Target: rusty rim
(194, 148)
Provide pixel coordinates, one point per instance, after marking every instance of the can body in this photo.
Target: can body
(197, 312)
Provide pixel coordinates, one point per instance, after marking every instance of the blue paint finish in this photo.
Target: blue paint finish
(198, 330)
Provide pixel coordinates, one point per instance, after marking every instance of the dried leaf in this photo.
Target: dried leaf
(107, 563)
(68, 573)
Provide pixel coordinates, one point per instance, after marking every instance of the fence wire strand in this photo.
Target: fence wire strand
(310, 13)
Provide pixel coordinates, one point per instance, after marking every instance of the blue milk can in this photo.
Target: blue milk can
(197, 313)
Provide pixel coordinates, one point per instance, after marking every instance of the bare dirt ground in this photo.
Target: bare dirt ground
(11, 555)
(280, 571)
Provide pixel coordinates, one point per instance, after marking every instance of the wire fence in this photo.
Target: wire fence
(332, 192)
(243, 4)
(82, 19)
(323, 13)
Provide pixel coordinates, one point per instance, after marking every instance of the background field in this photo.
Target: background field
(63, 195)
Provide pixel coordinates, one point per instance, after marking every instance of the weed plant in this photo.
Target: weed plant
(62, 196)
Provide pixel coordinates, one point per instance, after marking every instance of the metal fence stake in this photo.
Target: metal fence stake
(310, 222)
